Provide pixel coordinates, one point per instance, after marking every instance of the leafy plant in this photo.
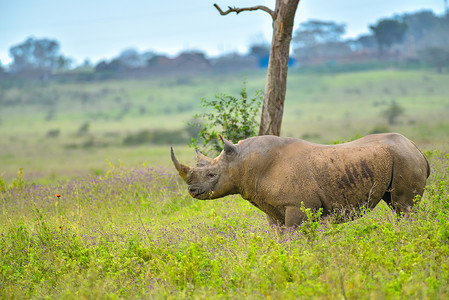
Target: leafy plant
(19, 182)
(310, 226)
(235, 118)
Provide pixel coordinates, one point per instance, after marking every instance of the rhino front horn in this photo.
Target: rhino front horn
(183, 170)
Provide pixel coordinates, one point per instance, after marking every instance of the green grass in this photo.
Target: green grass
(125, 227)
(136, 233)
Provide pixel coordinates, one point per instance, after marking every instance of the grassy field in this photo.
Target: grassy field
(136, 233)
(90, 216)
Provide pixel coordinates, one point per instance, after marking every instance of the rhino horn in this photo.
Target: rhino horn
(183, 170)
(202, 159)
(228, 146)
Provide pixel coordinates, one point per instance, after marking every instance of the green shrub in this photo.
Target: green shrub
(157, 136)
(83, 129)
(235, 118)
(53, 133)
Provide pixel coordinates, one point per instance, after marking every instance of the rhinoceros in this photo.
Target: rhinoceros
(282, 176)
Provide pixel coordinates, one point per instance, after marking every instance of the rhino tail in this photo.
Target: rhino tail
(387, 197)
(428, 167)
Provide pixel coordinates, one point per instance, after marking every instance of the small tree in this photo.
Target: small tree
(2, 70)
(234, 118)
(35, 55)
(392, 112)
(320, 40)
(260, 50)
(387, 32)
(437, 57)
(315, 32)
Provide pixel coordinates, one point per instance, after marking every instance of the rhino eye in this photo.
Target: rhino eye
(211, 175)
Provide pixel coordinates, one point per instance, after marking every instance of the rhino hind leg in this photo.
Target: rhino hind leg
(409, 174)
(401, 195)
(402, 202)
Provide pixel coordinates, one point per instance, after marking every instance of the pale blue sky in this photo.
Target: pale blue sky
(98, 29)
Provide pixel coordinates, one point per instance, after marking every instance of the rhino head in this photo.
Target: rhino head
(211, 178)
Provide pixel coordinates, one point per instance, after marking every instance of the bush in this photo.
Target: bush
(392, 112)
(234, 118)
(53, 133)
(158, 136)
(83, 129)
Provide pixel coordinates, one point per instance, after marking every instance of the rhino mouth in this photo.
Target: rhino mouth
(200, 194)
(196, 192)
(195, 195)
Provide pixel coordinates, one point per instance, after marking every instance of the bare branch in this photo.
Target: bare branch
(239, 10)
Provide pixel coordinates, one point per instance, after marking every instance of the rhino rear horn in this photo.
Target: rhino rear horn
(183, 170)
(228, 146)
(202, 159)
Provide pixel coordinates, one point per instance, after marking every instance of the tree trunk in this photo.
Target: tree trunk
(276, 82)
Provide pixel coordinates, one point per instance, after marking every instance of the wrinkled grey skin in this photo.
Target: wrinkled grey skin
(277, 174)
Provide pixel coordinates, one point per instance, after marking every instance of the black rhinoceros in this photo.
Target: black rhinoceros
(278, 174)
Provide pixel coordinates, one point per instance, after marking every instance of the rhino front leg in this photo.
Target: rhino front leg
(294, 216)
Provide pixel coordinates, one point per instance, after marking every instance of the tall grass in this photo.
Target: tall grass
(137, 234)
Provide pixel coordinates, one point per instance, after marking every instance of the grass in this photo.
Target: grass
(125, 227)
(136, 233)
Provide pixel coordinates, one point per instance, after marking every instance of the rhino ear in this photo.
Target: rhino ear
(228, 146)
(202, 160)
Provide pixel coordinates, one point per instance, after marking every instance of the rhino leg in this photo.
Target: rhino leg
(294, 216)
(401, 197)
(400, 201)
(409, 175)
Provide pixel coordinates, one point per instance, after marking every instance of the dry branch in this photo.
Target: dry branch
(239, 10)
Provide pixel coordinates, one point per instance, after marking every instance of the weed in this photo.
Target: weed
(18, 182)
(310, 226)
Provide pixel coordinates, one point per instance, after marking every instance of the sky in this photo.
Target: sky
(102, 29)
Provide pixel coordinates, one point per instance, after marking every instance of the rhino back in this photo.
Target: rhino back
(408, 160)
